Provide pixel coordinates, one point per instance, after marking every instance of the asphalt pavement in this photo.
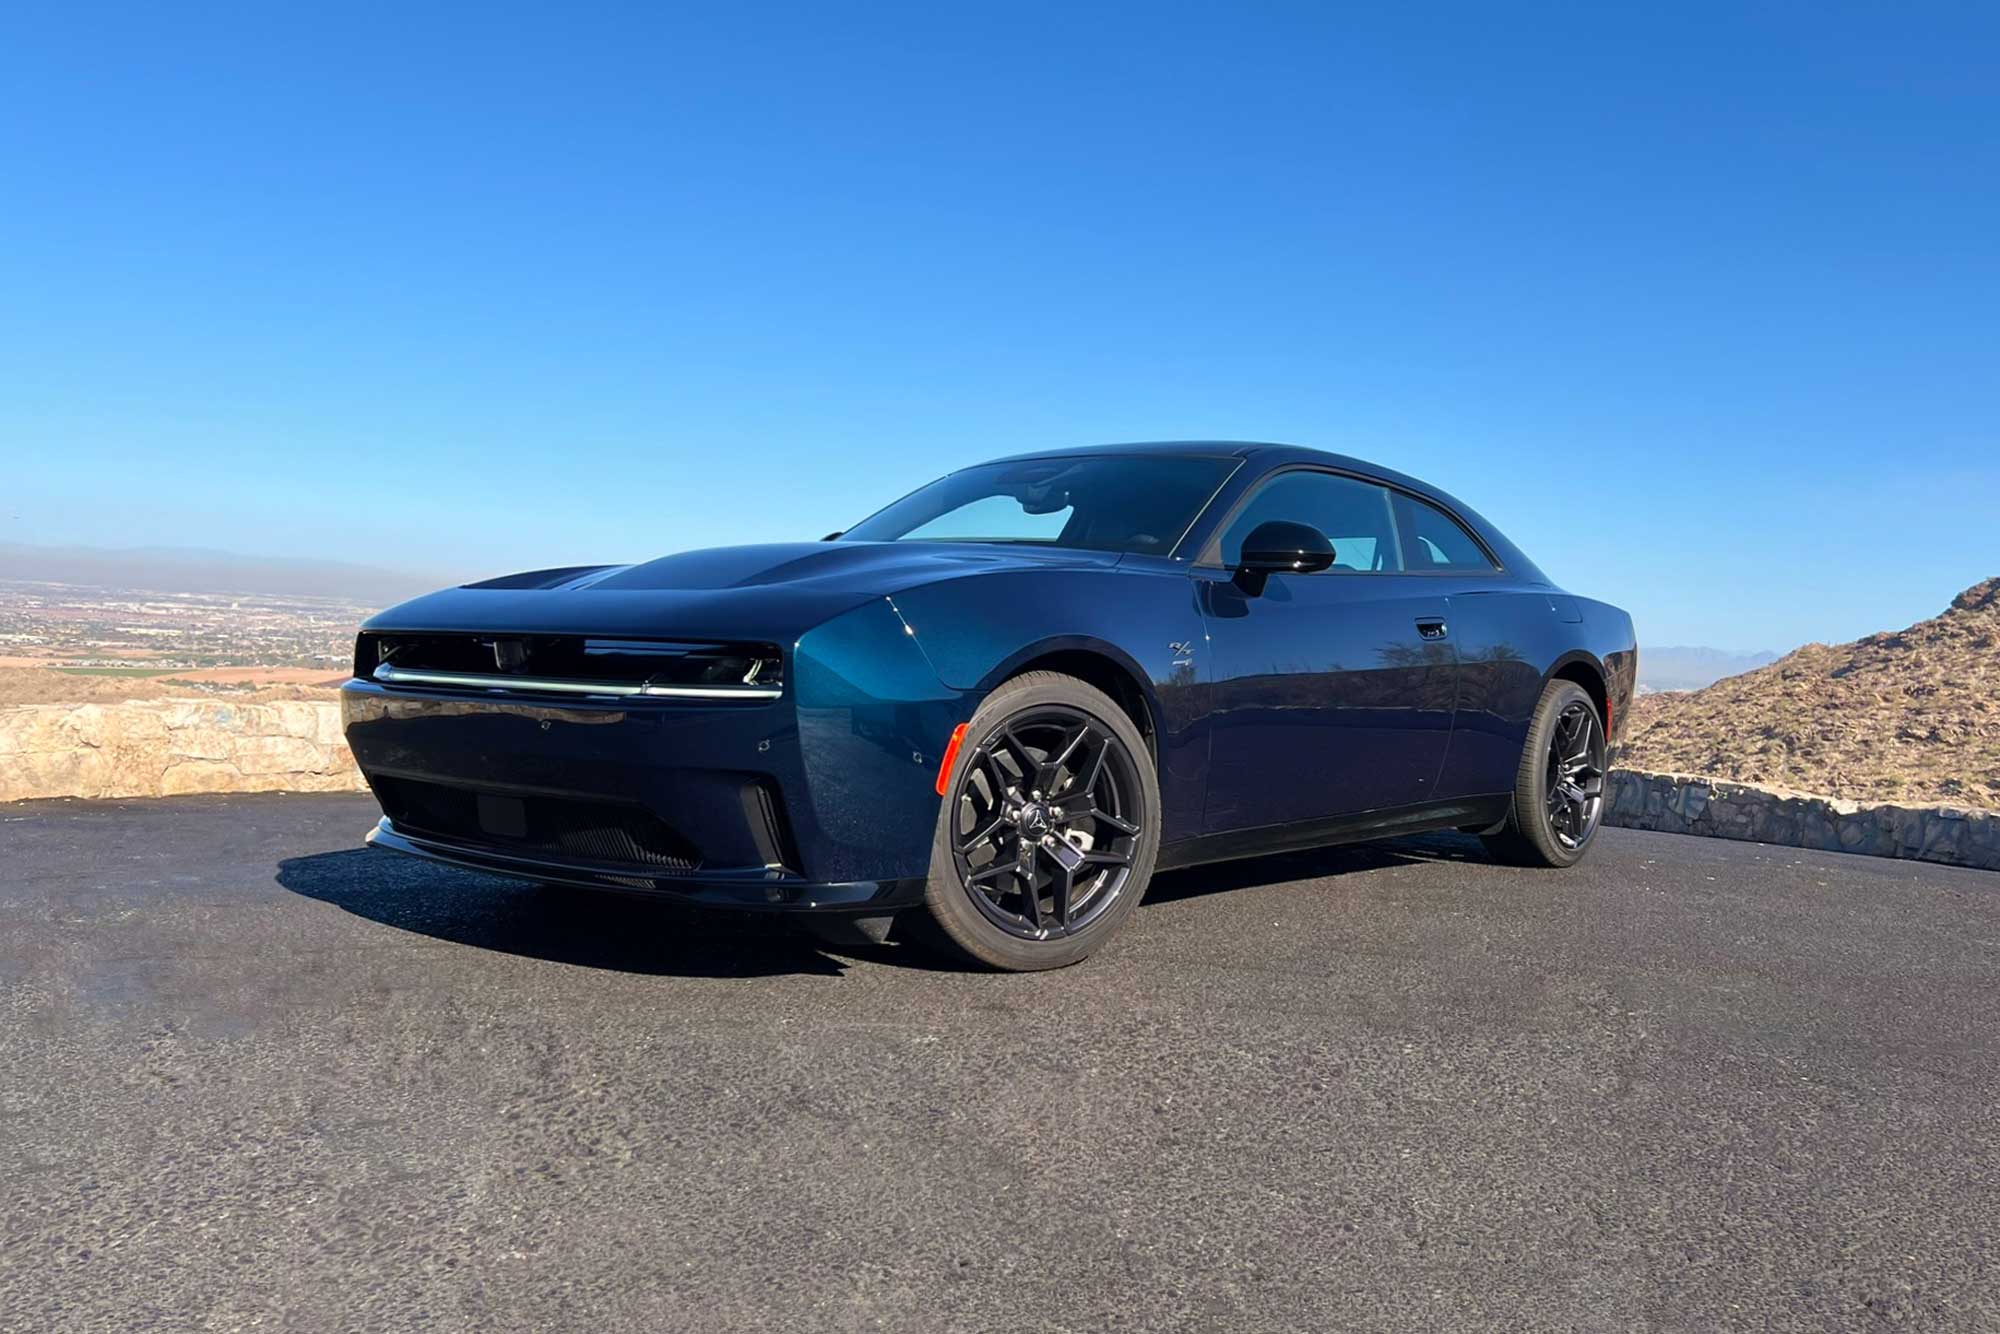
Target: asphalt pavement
(255, 1076)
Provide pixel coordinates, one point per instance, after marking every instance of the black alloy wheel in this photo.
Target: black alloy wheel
(1575, 775)
(1559, 788)
(1049, 828)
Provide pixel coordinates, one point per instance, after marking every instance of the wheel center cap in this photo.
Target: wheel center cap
(1034, 819)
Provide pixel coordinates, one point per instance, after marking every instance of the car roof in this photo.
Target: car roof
(1265, 452)
(1199, 449)
(1218, 449)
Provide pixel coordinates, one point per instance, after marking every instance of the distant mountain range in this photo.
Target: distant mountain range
(199, 570)
(1678, 667)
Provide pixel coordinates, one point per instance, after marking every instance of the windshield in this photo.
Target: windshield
(1101, 503)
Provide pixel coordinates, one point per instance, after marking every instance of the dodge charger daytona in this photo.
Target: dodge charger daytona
(1006, 700)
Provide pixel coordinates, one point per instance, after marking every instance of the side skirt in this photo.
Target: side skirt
(1458, 813)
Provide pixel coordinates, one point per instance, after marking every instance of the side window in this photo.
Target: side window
(1354, 515)
(1433, 540)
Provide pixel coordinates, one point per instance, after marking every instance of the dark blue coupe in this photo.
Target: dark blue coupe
(1006, 700)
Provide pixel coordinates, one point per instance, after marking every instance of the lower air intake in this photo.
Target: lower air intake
(600, 832)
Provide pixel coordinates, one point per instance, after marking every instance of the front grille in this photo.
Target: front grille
(578, 829)
(571, 664)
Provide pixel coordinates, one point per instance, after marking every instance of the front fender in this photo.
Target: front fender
(978, 632)
(1077, 643)
(873, 720)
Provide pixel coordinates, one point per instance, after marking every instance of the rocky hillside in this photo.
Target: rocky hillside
(1911, 716)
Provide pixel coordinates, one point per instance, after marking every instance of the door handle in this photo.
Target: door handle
(1431, 629)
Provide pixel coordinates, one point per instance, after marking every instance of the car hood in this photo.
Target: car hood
(770, 591)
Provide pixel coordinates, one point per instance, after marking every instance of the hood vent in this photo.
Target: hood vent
(556, 578)
(572, 665)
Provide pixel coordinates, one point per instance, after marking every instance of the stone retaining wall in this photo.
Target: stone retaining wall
(1689, 804)
(160, 748)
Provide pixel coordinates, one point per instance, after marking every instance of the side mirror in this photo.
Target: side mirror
(1279, 546)
(833, 536)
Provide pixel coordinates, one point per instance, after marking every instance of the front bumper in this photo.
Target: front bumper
(759, 888)
(822, 797)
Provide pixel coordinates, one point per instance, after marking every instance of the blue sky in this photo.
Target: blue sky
(1701, 304)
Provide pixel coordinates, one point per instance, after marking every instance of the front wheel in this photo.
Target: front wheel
(1050, 826)
(1559, 789)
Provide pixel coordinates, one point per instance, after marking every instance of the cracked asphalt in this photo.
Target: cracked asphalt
(254, 1076)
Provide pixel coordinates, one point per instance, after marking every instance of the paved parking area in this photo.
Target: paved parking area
(252, 1075)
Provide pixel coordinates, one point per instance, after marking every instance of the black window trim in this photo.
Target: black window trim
(1174, 551)
(1211, 550)
(1236, 462)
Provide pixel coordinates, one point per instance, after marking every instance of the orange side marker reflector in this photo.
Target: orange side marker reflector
(950, 755)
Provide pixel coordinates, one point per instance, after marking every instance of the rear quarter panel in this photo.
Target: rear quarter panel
(1512, 640)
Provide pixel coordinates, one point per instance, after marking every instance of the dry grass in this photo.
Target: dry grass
(1911, 716)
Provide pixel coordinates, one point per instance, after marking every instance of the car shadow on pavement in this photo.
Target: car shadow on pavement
(628, 934)
(1312, 864)
(634, 934)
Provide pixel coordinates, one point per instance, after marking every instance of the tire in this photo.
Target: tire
(1545, 828)
(1022, 877)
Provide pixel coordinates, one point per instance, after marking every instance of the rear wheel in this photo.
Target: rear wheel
(1049, 829)
(1559, 789)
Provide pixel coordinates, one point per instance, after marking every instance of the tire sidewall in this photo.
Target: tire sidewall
(1530, 801)
(946, 895)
